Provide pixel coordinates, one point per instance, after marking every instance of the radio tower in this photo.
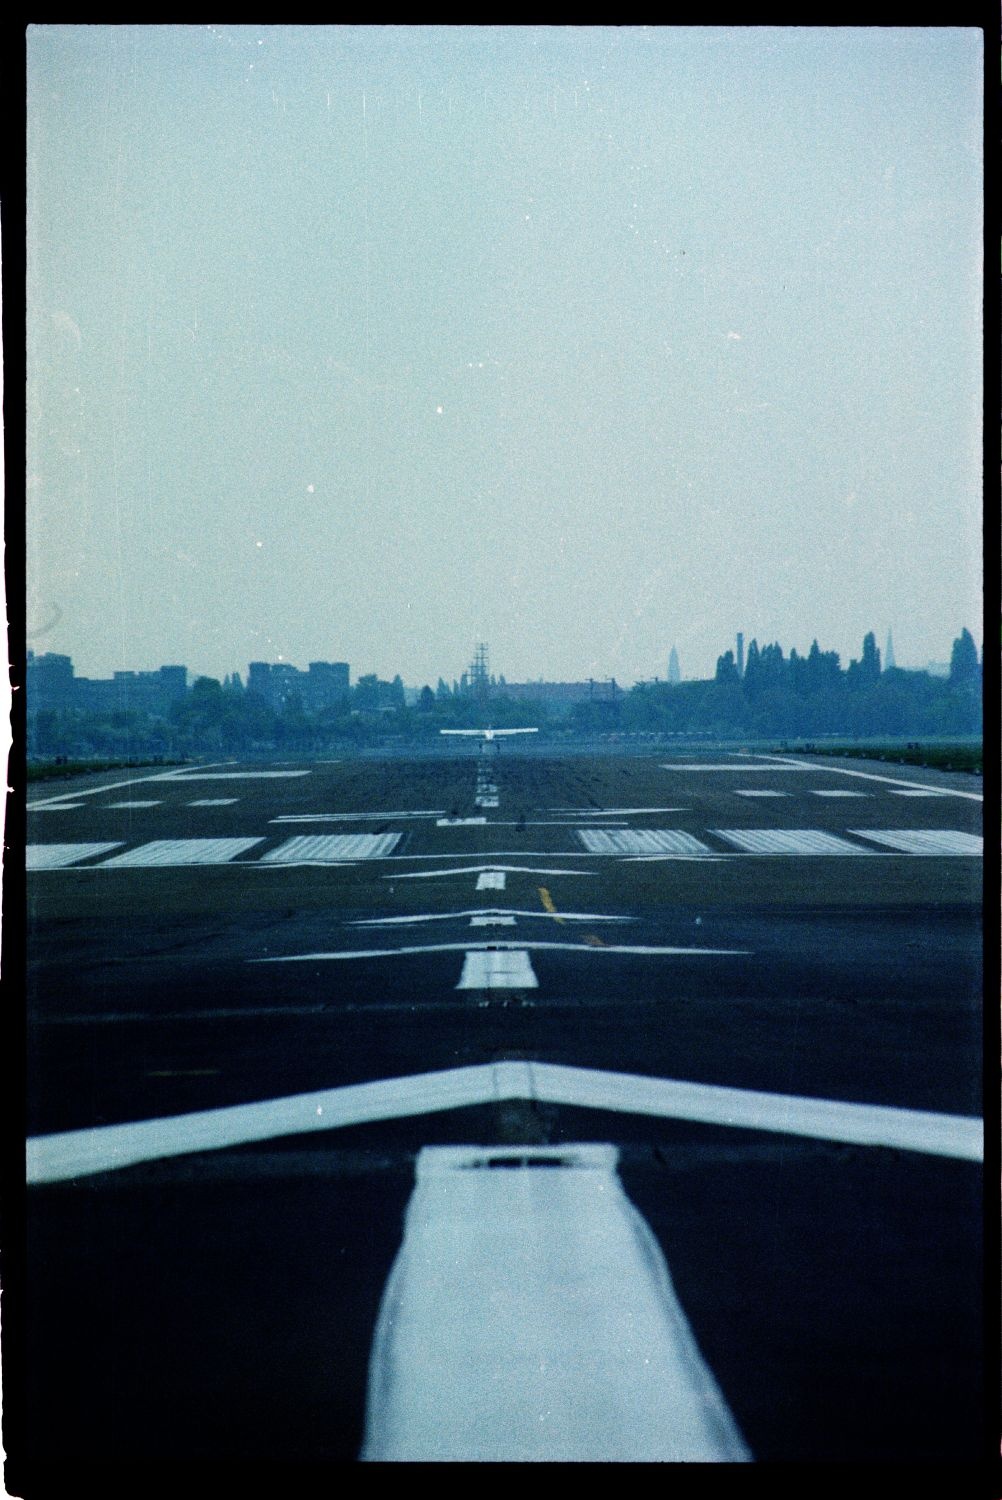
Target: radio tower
(479, 680)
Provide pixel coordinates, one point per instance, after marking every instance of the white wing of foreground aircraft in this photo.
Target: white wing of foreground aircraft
(488, 734)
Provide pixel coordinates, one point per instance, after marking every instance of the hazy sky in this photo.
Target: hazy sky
(370, 343)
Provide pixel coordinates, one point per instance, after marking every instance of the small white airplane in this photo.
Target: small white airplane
(488, 734)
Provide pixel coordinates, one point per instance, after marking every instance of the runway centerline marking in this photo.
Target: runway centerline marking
(529, 1350)
(509, 968)
(490, 880)
(103, 1148)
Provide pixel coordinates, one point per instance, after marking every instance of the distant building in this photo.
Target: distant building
(51, 683)
(674, 675)
(889, 661)
(323, 685)
(558, 695)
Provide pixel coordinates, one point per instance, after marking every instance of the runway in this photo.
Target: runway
(506, 1106)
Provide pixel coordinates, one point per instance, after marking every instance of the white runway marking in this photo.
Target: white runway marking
(486, 802)
(214, 802)
(111, 786)
(612, 812)
(584, 949)
(331, 848)
(354, 817)
(497, 921)
(641, 841)
(478, 869)
(761, 793)
(490, 880)
(53, 806)
(487, 911)
(557, 1334)
(105, 1148)
(943, 791)
(234, 775)
(916, 792)
(458, 822)
(814, 792)
(510, 969)
(58, 856)
(925, 840)
(133, 804)
(164, 852)
(742, 766)
(787, 841)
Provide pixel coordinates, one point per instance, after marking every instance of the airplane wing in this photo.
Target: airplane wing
(480, 732)
(496, 732)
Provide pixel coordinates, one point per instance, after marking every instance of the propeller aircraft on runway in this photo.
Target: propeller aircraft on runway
(488, 734)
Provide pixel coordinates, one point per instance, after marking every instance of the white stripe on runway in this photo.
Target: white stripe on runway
(58, 856)
(556, 1334)
(943, 791)
(54, 806)
(925, 840)
(787, 841)
(487, 911)
(165, 852)
(494, 921)
(814, 792)
(478, 869)
(232, 775)
(354, 817)
(582, 948)
(490, 880)
(641, 841)
(510, 969)
(214, 802)
(458, 822)
(330, 848)
(614, 812)
(105, 1148)
(132, 804)
(113, 786)
(742, 766)
(915, 792)
(762, 793)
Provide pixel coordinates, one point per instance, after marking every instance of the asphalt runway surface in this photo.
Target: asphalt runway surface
(504, 1106)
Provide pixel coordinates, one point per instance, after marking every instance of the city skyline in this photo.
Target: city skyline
(584, 341)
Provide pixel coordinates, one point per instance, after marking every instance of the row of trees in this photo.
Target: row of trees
(778, 695)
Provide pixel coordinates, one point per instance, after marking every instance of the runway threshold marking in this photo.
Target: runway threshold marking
(949, 841)
(58, 856)
(490, 880)
(104, 1148)
(169, 852)
(557, 1335)
(788, 841)
(642, 841)
(331, 848)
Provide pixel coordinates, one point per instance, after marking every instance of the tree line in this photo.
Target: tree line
(777, 695)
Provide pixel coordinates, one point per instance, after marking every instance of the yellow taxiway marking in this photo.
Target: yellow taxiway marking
(547, 901)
